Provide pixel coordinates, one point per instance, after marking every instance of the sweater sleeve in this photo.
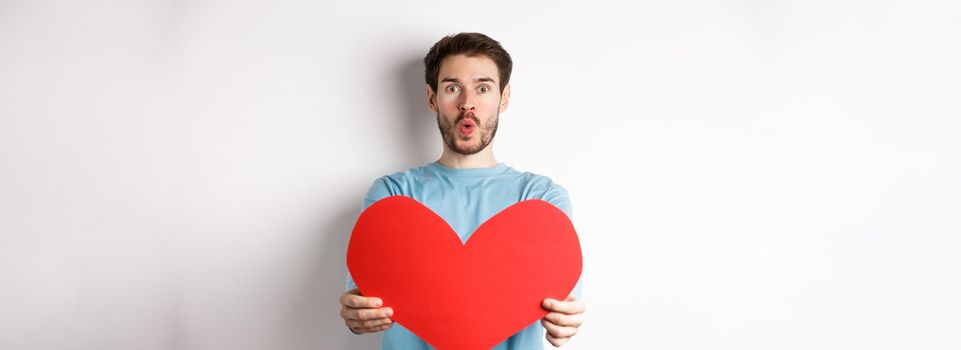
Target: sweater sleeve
(558, 196)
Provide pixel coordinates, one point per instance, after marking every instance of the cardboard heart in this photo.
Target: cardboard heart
(464, 296)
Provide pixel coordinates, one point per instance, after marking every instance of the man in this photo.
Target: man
(467, 87)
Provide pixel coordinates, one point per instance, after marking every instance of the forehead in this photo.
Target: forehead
(468, 68)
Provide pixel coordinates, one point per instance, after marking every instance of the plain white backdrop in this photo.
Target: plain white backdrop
(744, 174)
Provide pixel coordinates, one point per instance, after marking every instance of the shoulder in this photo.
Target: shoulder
(398, 183)
(544, 188)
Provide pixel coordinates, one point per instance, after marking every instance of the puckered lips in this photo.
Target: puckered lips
(466, 126)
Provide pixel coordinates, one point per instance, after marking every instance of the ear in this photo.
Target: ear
(431, 99)
(505, 98)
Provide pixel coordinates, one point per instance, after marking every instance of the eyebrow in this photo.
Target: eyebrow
(455, 80)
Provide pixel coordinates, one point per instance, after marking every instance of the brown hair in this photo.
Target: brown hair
(470, 44)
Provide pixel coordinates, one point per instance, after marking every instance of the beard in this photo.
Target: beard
(485, 132)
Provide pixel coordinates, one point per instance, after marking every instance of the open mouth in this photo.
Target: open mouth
(467, 126)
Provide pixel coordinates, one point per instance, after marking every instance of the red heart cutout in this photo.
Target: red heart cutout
(464, 296)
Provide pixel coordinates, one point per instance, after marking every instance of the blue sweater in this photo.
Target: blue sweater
(465, 198)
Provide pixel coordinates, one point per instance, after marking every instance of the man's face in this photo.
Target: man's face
(468, 101)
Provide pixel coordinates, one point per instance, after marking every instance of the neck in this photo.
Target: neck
(482, 159)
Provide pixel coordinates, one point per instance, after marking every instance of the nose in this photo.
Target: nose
(467, 103)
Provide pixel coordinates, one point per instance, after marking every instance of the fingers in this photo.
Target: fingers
(367, 320)
(355, 300)
(560, 333)
(377, 322)
(566, 320)
(556, 342)
(359, 327)
(364, 314)
(348, 313)
(343, 297)
(570, 306)
(380, 328)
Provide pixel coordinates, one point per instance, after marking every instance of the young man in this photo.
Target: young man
(467, 87)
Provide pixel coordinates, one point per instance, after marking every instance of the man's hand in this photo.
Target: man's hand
(364, 314)
(563, 320)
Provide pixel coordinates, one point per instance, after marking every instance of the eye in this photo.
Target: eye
(484, 89)
(453, 89)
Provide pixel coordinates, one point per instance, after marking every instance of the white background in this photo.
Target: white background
(744, 174)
